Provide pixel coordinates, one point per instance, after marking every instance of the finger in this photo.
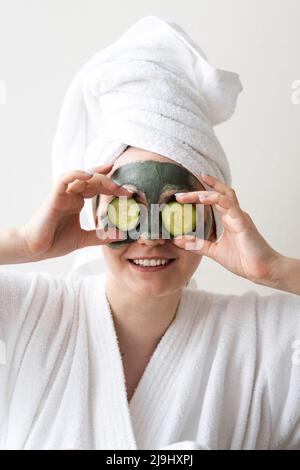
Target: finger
(192, 243)
(226, 201)
(92, 238)
(104, 169)
(224, 204)
(69, 177)
(205, 197)
(211, 197)
(109, 234)
(77, 187)
(192, 196)
(102, 184)
(218, 185)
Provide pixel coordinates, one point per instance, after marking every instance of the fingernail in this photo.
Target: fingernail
(206, 195)
(122, 236)
(185, 238)
(179, 194)
(128, 189)
(89, 171)
(190, 237)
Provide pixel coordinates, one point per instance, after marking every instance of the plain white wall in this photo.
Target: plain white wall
(44, 43)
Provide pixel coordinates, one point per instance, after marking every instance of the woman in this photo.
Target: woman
(135, 359)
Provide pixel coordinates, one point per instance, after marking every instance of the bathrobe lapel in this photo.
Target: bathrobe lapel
(153, 416)
(114, 431)
(162, 398)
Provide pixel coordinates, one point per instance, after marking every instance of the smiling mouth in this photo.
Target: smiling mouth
(151, 264)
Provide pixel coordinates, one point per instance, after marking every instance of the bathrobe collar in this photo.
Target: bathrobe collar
(137, 425)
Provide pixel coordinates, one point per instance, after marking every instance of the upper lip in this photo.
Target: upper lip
(151, 257)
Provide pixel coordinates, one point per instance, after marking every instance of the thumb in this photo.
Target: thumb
(194, 244)
(101, 237)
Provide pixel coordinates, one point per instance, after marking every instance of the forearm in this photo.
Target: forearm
(12, 248)
(284, 275)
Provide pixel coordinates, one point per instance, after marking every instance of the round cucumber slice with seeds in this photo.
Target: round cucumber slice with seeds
(178, 218)
(124, 213)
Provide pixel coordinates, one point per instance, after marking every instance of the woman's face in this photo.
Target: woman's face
(174, 274)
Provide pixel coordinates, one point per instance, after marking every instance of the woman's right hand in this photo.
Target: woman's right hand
(54, 230)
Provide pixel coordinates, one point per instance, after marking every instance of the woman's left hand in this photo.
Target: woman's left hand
(241, 248)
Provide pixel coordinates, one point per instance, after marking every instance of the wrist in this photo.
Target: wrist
(13, 247)
(284, 274)
(274, 271)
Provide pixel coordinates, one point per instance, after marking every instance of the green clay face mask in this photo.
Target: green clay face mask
(156, 182)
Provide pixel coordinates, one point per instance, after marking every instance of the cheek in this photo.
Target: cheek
(188, 261)
(114, 257)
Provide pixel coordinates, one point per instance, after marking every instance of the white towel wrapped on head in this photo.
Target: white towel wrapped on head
(153, 89)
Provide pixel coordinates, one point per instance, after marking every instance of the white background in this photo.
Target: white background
(44, 43)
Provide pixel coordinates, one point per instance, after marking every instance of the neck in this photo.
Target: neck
(140, 321)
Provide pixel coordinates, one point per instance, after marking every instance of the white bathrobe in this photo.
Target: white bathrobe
(225, 375)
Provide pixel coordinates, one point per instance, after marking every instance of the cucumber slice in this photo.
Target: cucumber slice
(124, 213)
(179, 219)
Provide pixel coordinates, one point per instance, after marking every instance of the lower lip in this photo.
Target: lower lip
(149, 269)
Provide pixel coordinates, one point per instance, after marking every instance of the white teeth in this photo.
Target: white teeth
(151, 262)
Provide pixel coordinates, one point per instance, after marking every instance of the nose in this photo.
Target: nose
(146, 240)
(150, 233)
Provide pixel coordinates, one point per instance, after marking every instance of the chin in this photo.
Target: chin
(151, 289)
(153, 285)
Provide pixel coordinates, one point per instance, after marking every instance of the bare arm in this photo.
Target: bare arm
(12, 250)
(54, 230)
